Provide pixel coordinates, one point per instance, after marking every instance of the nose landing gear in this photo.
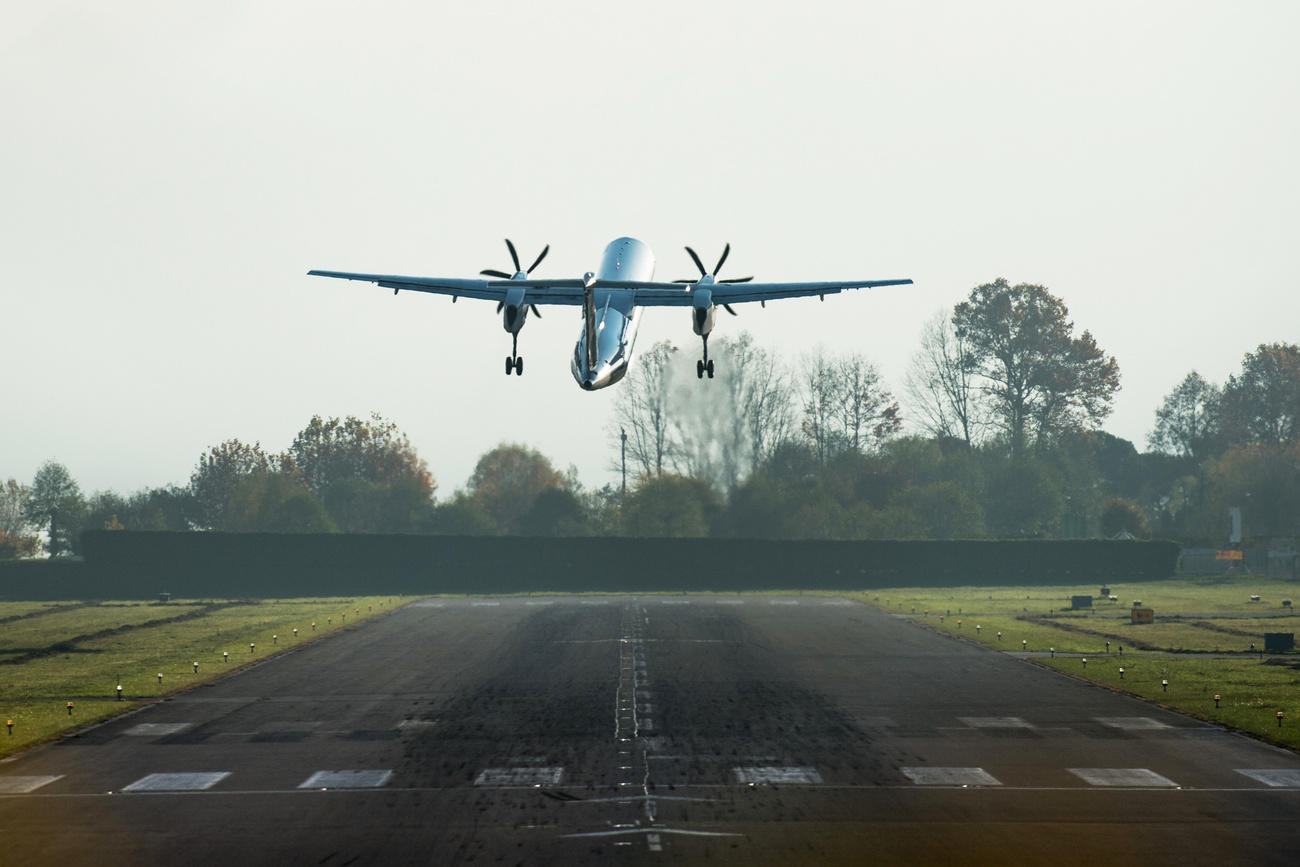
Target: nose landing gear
(704, 366)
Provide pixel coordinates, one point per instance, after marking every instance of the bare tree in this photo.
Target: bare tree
(941, 384)
(1187, 423)
(643, 409)
(845, 405)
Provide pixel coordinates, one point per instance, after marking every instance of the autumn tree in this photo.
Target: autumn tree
(507, 480)
(1041, 380)
(671, 506)
(1120, 516)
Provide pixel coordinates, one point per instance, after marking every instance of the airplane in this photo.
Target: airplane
(611, 299)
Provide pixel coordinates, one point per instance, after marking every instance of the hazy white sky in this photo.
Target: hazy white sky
(169, 172)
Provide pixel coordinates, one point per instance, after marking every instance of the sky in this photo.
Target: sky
(169, 172)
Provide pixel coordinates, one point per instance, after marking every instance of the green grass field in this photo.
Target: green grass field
(1200, 643)
(53, 654)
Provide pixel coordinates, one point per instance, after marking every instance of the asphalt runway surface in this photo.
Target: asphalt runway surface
(643, 730)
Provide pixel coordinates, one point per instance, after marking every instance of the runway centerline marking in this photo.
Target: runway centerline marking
(154, 730)
(520, 776)
(1132, 723)
(798, 775)
(995, 722)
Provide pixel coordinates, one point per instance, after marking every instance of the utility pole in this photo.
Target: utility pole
(623, 435)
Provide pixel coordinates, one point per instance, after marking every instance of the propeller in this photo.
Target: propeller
(520, 273)
(726, 251)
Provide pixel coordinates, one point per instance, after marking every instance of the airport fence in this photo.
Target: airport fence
(141, 565)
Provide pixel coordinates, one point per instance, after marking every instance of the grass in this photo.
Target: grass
(43, 665)
(1200, 643)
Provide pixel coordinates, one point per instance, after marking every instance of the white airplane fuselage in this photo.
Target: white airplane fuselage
(616, 316)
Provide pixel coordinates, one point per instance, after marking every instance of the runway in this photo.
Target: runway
(546, 730)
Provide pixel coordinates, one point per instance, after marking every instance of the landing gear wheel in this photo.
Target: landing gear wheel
(699, 370)
(519, 366)
(510, 365)
(709, 368)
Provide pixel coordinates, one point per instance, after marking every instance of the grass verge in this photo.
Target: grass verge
(52, 657)
(1200, 645)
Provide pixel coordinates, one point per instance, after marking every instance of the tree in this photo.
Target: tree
(55, 501)
(276, 502)
(462, 516)
(845, 407)
(508, 479)
(1262, 405)
(1187, 423)
(1022, 499)
(328, 451)
(555, 512)
(642, 409)
(221, 469)
(1040, 379)
(941, 384)
(1123, 516)
(15, 523)
(671, 506)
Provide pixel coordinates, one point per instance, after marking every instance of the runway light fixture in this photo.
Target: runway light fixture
(978, 628)
(119, 692)
(251, 647)
(1279, 722)
(1108, 647)
(295, 632)
(999, 635)
(1053, 650)
(160, 678)
(225, 655)
(1279, 717)
(196, 667)
(1024, 644)
(1085, 662)
(275, 639)
(10, 723)
(1121, 672)
(1164, 685)
(1216, 701)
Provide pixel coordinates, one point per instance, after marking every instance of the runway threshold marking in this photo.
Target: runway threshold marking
(950, 776)
(360, 779)
(1280, 778)
(1123, 777)
(799, 775)
(178, 782)
(155, 730)
(995, 722)
(23, 785)
(1132, 723)
(520, 776)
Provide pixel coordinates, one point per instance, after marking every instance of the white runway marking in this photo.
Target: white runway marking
(519, 777)
(1281, 778)
(154, 730)
(783, 602)
(652, 842)
(777, 774)
(427, 604)
(950, 777)
(1131, 723)
(1123, 777)
(371, 779)
(484, 604)
(193, 782)
(730, 601)
(23, 785)
(594, 602)
(995, 722)
(674, 602)
(540, 602)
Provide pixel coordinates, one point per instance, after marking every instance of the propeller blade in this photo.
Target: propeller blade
(492, 272)
(696, 260)
(500, 305)
(726, 251)
(514, 255)
(684, 280)
(538, 261)
(536, 312)
(727, 307)
(737, 280)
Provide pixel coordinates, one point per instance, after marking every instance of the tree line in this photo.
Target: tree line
(1003, 405)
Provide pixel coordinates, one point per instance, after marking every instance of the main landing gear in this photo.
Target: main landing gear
(704, 365)
(515, 361)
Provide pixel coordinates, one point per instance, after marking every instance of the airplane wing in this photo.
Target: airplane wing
(539, 291)
(678, 295)
(569, 291)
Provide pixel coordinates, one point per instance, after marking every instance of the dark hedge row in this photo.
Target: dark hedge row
(128, 565)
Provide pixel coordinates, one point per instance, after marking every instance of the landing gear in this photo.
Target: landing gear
(704, 366)
(515, 361)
